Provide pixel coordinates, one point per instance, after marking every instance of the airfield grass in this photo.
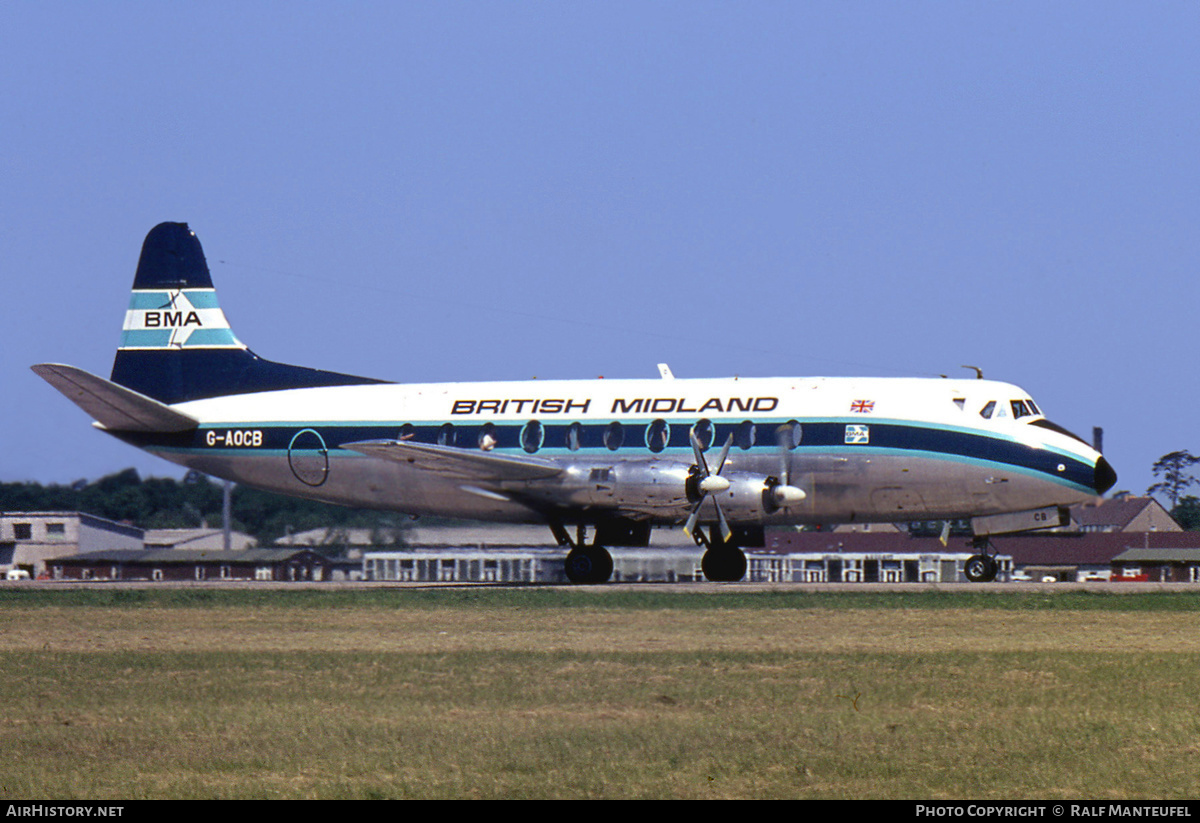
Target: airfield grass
(550, 693)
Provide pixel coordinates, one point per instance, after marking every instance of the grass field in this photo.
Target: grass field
(547, 692)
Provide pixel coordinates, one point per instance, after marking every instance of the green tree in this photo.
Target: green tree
(1174, 469)
(1187, 513)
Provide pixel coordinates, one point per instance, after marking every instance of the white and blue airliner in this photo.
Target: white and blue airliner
(725, 458)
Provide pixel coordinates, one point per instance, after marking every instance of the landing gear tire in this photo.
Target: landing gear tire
(980, 568)
(723, 564)
(588, 564)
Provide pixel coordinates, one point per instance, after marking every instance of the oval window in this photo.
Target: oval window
(532, 435)
(703, 432)
(788, 435)
(614, 436)
(658, 434)
(746, 435)
(575, 436)
(407, 432)
(487, 437)
(446, 435)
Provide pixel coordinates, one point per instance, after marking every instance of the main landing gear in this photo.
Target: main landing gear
(981, 567)
(723, 560)
(584, 563)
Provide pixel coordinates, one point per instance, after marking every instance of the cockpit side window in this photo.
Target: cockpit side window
(1019, 409)
(986, 411)
(1032, 406)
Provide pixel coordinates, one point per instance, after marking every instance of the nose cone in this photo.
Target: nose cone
(1105, 477)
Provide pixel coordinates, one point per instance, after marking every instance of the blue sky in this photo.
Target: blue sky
(467, 191)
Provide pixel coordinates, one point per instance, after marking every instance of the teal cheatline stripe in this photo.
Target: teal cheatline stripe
(148, 300)
(145, 338)
(210, 337)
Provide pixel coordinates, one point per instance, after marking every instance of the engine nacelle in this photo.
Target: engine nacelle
(651, 486)
(669, 490)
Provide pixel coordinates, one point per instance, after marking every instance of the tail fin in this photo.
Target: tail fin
(176, 344)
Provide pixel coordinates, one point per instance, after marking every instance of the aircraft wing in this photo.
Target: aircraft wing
(462, 464)
(113, 407)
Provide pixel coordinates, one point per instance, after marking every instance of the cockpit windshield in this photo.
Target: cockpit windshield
(1023, 407)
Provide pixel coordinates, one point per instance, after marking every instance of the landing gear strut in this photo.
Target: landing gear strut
(982, 567)
(584, 563)
(723, 562)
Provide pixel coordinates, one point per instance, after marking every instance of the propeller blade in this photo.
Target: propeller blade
(700, 461)
(690, 525)
(726, 532)
(724, 453)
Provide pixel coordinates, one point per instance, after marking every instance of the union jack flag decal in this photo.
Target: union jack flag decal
(862, 406)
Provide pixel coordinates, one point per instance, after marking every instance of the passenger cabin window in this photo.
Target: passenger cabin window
(703, 430)
(575, 436)
(658, 434)
(487, 437)
(407, 432)
(614, 436)
(446, 436)
(987, 411)
(788, 435)
(532, 436)
(745, 435)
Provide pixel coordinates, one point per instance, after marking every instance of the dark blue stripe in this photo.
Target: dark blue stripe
(819, 436)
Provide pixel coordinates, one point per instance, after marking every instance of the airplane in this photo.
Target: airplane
(732, 456)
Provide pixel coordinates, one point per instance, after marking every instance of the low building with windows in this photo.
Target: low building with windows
(290, 565)
(526, 565)
(510, 553)
(863, 557)
(1174, 565)
(28, 539)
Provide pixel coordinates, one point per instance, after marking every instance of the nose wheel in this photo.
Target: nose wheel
(982, 567)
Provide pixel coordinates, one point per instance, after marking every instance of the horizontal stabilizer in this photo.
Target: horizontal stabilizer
(113, 407)
(467, 464)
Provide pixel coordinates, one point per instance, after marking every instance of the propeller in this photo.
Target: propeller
(709, 483)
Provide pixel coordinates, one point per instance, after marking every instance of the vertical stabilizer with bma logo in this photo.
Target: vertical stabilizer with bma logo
(176, 344)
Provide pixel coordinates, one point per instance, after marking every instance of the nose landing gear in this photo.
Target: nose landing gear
(982, 567)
